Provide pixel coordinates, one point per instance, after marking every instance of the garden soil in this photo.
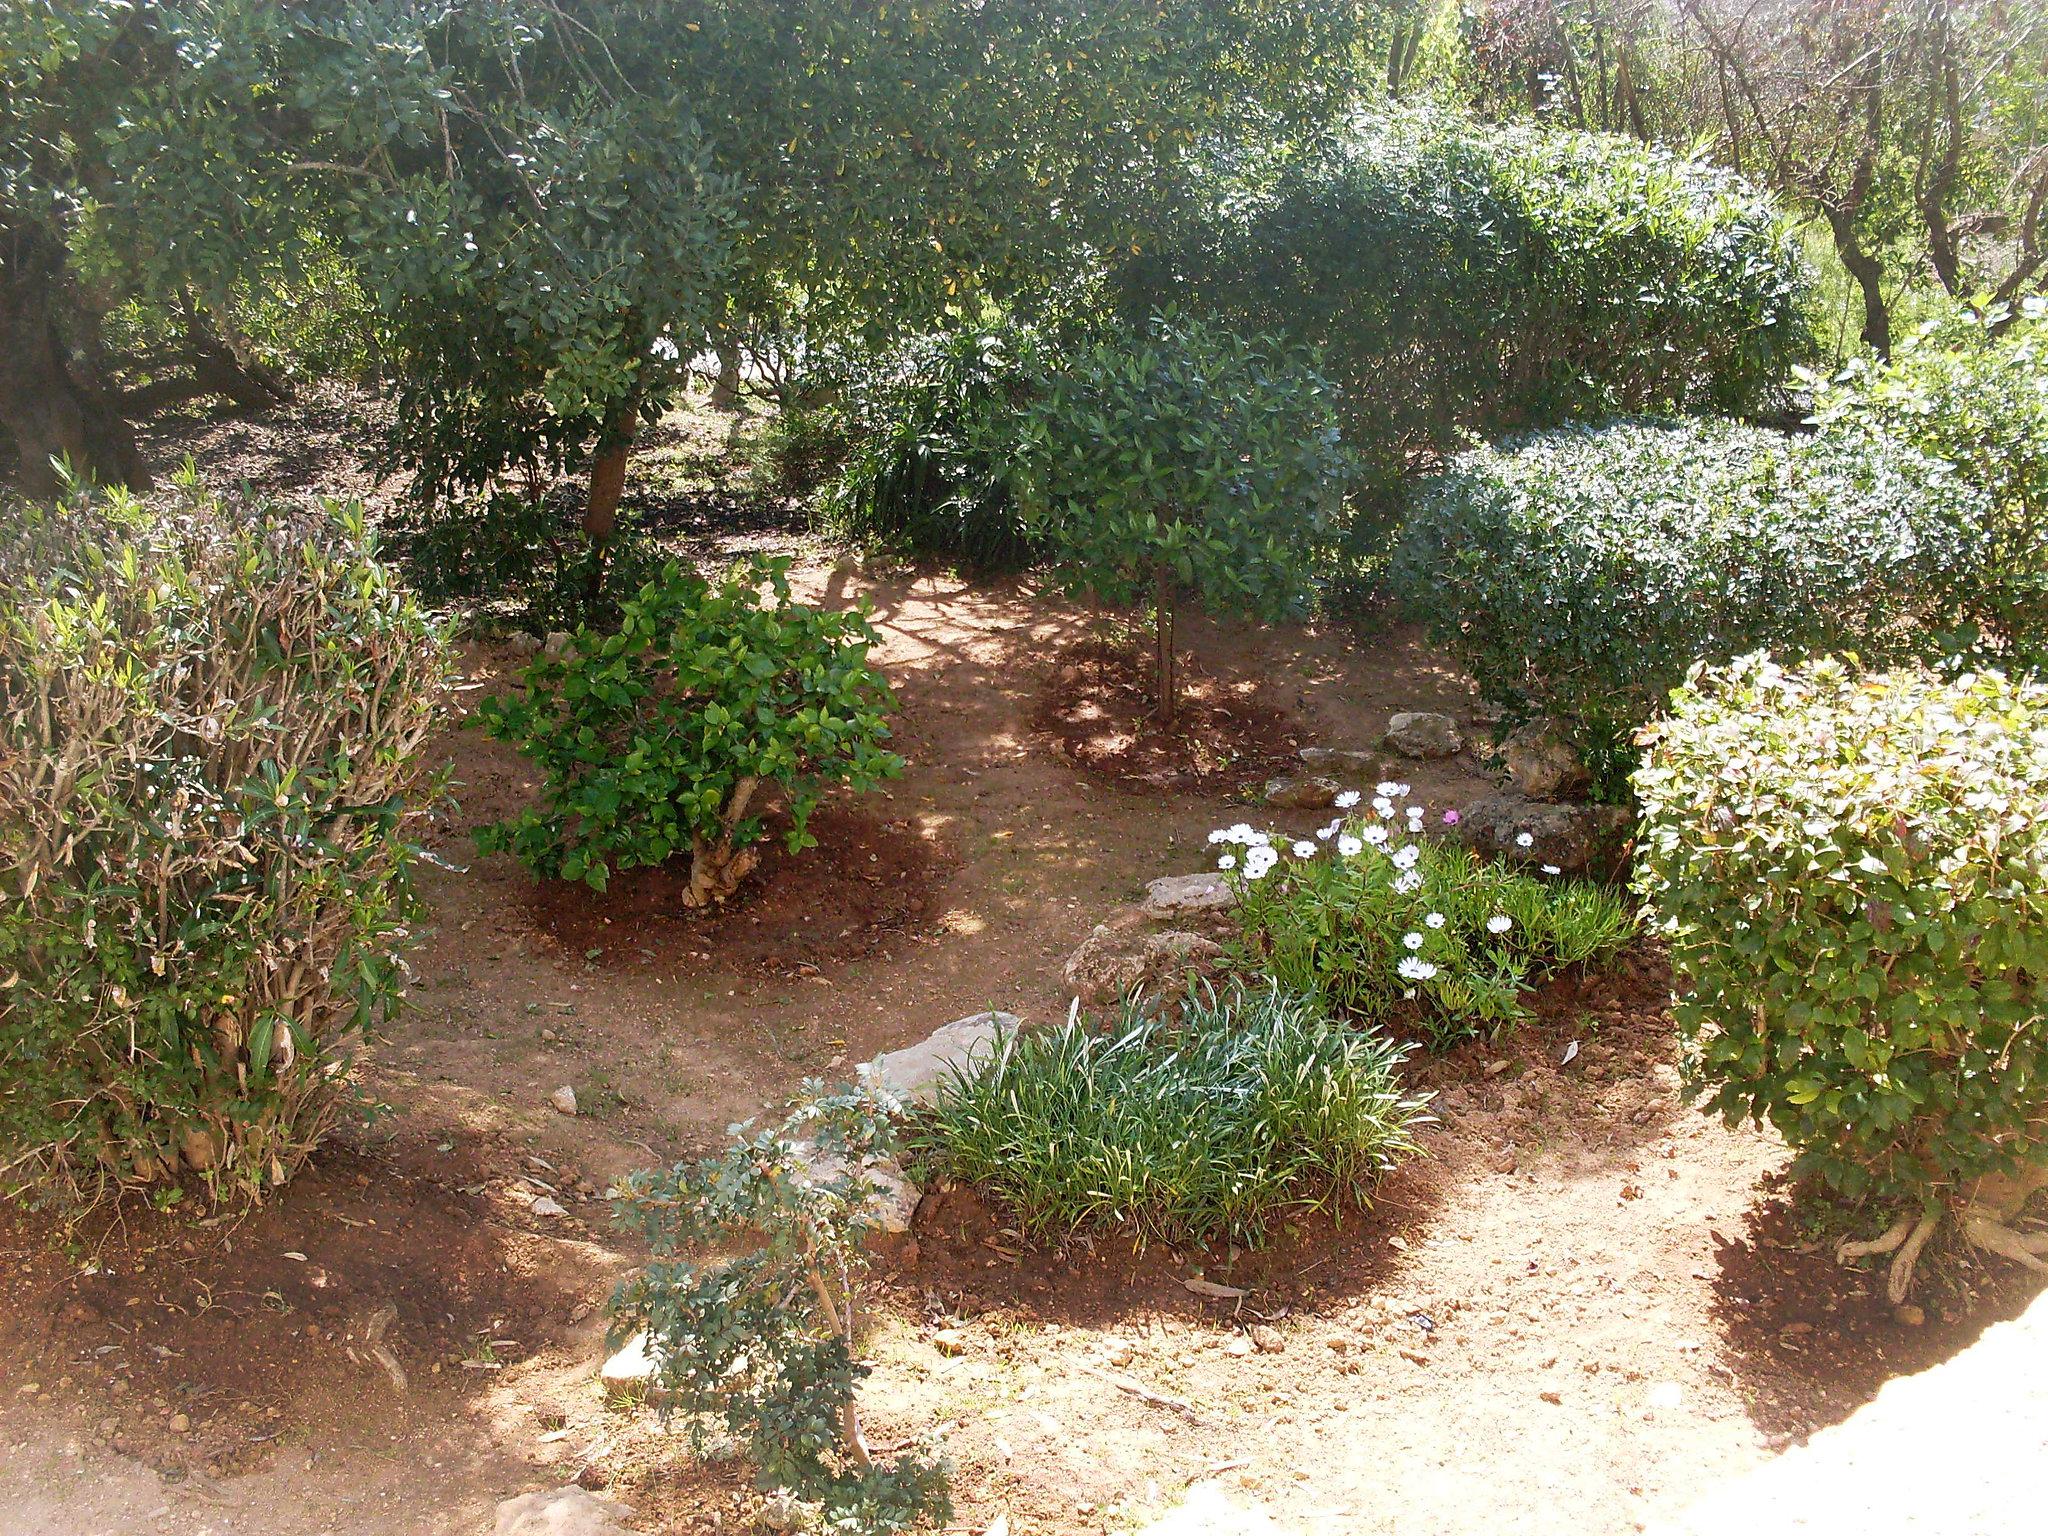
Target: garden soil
(1585, 1304)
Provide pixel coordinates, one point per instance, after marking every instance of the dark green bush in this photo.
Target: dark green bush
(1580, 573)
(1453, 275)
(667, 735)
(1252, 1107)
(924, 472)
(1851, 871)
(211, 722)
(1974, 393)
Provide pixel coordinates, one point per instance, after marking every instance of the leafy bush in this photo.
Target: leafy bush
(1384, 924)
(1184, 460)
(515, 558)
(1579, 573)
(765, 1339)
(1456, 275)
(925, 474)
(211, 718)
(1250, 1108)
(659, 738)
(1974, 393)
(1851, 871)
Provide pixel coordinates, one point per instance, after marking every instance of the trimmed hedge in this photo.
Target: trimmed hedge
(1580, 573)
(1852, 873)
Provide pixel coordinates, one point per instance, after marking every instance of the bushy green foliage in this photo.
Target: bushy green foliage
(1456, 275)
(1851, 870)
(1250, 1108)
(1973, 392)
(1182, 460)
(764, 1338)
(661, 737)
(927, 473)
(211, 720)
(1384, 924)
(519, 561)
(1579, 573)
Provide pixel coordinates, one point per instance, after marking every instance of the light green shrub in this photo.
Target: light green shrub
(666, 736)
(1386, 925)
(1251, 1107)
(212, 717)
(1851, 870)
(1579, 573)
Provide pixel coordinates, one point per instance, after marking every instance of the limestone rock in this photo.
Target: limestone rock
(1423, 733)
(1361, 766)
(565, 1511)
(1208, 1511)
(1173, 895)
(1542, 764)
(633, 1366)
(564, 1100)
(914, 1073)
(1303, 791)
(895, 1198)
(1115, 961)
(1572, 838)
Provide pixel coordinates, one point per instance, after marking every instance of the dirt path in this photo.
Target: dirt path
(1581, 1309)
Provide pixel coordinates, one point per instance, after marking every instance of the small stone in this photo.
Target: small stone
(1542, 764)
(1176, 895)
(1551, 1396)
(894, 1199)
(778, 1515)
(1666, 1394)
(557, 643)
(949, 1341)
(633, 1367)
(564, 1099)
(545, 1205)
(1303, 792)
(1424, 733)
(1238, 1344)
(914, 1073)
(1362, 766)
(180, 1423)
(1909, 1315)
(1268, 1340)
(1118, 959)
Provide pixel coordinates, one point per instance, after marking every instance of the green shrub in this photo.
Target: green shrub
(211, 721)
(1385, 925)
(1851, 870)
(925, 474)
(1579, 573)
(1181, 461)
(661, 737)
(764, 1338)
(517, 560)
(1250, 1108)
(1456, 275)
(1974, 393)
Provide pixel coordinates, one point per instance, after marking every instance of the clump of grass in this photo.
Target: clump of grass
(1249, 1107)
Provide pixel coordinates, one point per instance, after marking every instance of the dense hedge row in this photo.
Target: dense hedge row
(1455, 275)
(1580, 573)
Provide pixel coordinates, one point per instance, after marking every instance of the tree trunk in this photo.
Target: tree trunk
(607, 485)
(1164, 683)
(49, 399)
(224, 364)
(725, 389)
(1869, 275)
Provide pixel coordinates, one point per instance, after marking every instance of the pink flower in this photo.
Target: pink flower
(1450, 818)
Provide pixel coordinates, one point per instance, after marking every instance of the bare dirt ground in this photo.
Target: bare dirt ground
(1585, 1305)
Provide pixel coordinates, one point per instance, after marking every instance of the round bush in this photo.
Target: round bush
(1852, 873)
(211, 719)
(665, 736)
(1580, 573)
(1454, 275)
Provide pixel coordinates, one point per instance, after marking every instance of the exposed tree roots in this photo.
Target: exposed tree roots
(1985, 1222)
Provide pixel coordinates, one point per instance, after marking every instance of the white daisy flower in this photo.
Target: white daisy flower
(1552, 869)
(1383, 805)
(1348, 799)
(1500, 922)
(1408, 880)
(1525, 840)
(1413, 969)
(1228, 861)
(1406, 857)
(1386, 787)
(1350, 846)
(1412, 940)
(1304, 849)
(1434, 920)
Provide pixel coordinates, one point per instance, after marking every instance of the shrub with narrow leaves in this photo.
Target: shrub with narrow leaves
(1250, 1107)
(1851, 870)
(1579, 573)
(1385, 924)
(211, 722)
(765, 1337)
(666, 736)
